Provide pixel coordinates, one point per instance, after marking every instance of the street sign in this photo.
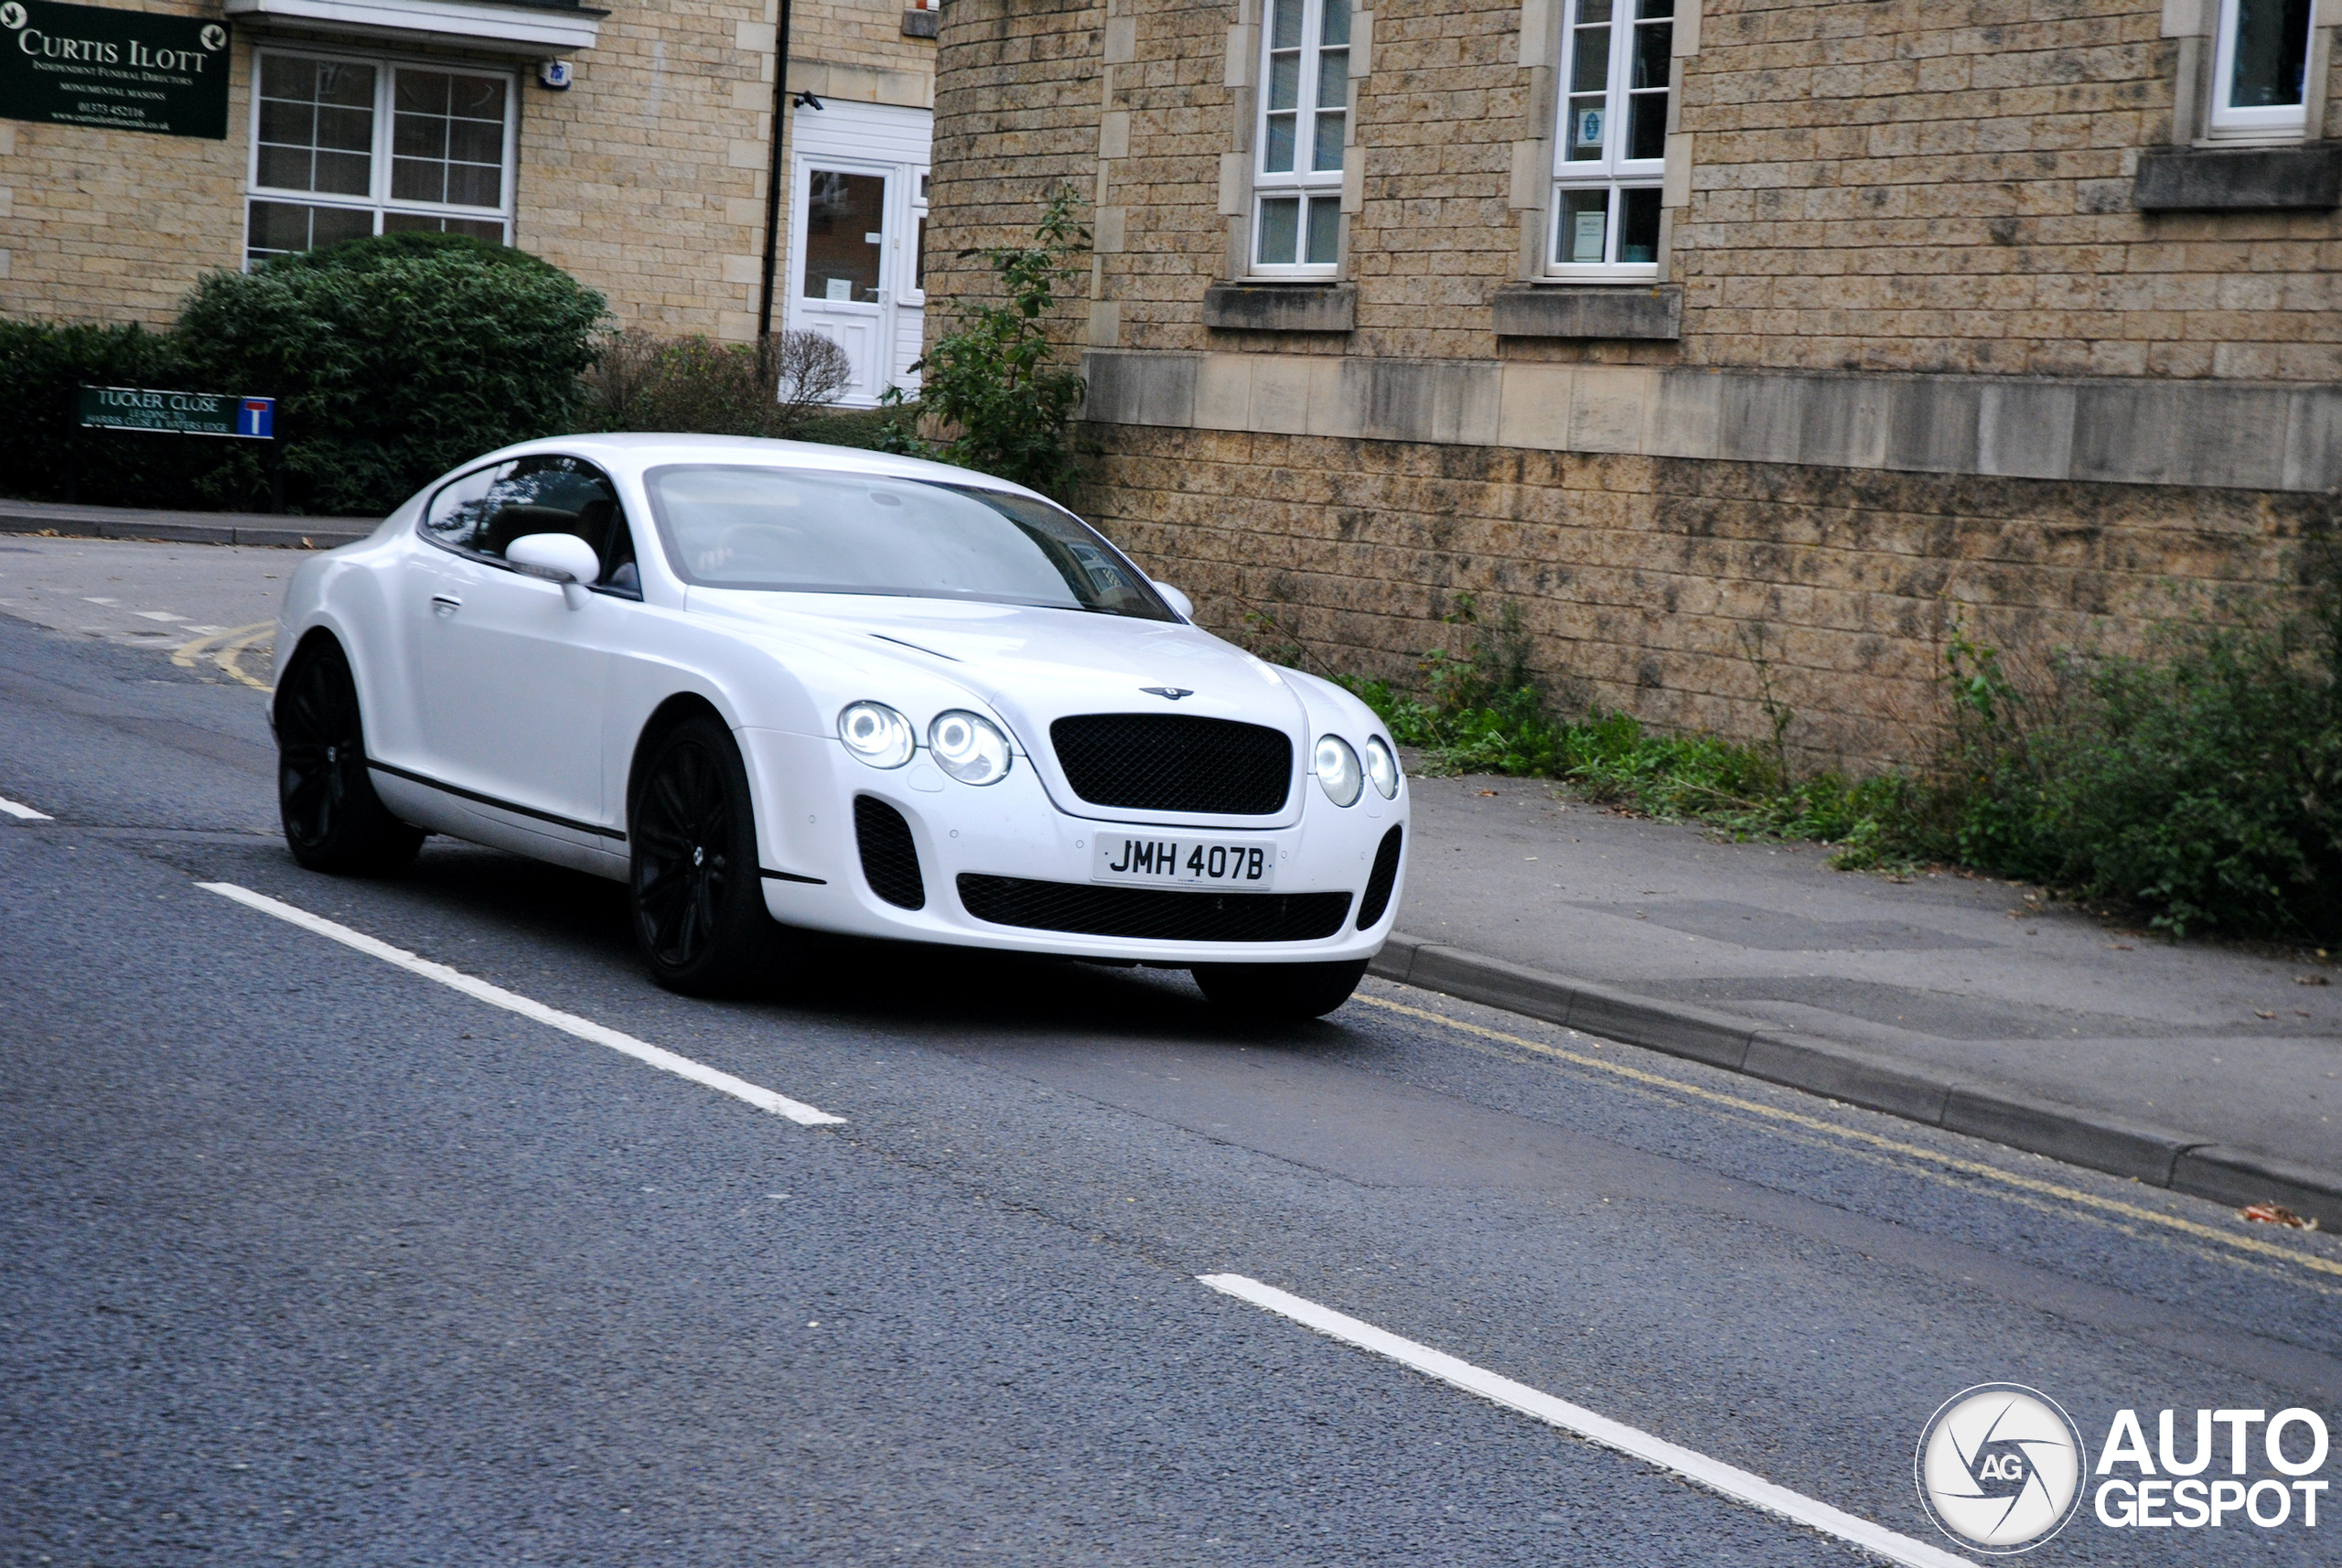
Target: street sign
(178, 413)
(129, 71)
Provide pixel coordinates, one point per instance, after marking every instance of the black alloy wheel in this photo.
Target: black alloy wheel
(333, 820)
(697, 892)
(1287, 993)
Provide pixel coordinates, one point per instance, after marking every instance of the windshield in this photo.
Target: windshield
(796, 530)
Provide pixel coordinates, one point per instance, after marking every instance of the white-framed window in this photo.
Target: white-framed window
(1611, 149)
(2259, 69)
(1304, 119)
(346, 147)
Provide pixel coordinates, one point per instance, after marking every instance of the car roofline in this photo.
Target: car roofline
(637, 450)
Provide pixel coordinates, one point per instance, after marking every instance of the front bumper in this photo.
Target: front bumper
(805, 788)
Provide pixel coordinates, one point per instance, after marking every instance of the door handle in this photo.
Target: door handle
(446, 604)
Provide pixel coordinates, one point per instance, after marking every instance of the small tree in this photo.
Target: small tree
(643, 381)
(992, 381)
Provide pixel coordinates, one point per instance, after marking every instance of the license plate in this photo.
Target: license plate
(1184, 862)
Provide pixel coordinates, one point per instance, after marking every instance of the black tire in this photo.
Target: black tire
(1279, 991)
(325, 796)
(697, 893)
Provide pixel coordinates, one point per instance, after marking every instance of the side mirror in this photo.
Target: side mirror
(1176, 599)
(561, 558)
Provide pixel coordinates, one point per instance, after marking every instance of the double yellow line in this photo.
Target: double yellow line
(223, 649)
(1945, 1166)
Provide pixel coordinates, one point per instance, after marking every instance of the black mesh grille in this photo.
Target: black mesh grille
(1379, 881)
(1154, 912)
(889, 858)
(1170, 762)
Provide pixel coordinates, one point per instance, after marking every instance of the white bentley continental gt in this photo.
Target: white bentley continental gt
(763, 682)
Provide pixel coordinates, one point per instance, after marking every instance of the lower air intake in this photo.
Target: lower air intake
(889, 858)
(1380, 881)
(1153, 912)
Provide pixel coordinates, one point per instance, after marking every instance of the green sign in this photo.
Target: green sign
(92, 65)
(178, 413)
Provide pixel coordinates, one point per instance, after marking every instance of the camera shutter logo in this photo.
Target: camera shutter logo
(2000, 1468)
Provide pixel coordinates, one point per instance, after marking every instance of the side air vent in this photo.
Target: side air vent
(889, 858)
(1379, 884)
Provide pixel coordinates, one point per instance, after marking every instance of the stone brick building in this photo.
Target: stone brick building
(1703, 328)
(631, 146)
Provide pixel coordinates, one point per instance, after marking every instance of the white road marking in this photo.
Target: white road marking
(157, 615)
(87, 600)
(796, 1110)
(27, 812)
(1698, 1468)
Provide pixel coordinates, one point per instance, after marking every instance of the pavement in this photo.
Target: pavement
(57, 517)
(1953, 1001)
(305, 1255)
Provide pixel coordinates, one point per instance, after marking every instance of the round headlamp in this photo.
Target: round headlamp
(967, 747)
(1338, 770)
(1382, 767)
(877, 735)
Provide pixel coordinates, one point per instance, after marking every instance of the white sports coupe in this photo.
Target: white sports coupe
(765, 681)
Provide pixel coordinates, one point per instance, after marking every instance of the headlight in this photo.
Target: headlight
(1338, 770)
(1382, 767)
(876, 734)
(967, 747)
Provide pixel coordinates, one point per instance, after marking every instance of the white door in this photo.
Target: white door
(858, 234)
(844, 291)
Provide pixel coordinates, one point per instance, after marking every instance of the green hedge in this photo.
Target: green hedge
(391, 359)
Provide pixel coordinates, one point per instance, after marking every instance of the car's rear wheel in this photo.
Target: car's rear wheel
(333, 820)
(1279, 991)
(697, 892)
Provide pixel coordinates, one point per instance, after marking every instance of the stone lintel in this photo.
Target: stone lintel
(1597, 310)
(2303, 177)
(1281, 307)
(2208, 434)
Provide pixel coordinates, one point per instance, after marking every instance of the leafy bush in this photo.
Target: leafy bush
(2201, 787)
(393, 358)
(45, 455)
(642, 381)
(991, 380)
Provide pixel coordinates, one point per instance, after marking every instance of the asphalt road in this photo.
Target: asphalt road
(305, 1256)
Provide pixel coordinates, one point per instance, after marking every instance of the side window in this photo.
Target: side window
(1305, 121)
(2259, 73)
(483, 511)
(1612, 151)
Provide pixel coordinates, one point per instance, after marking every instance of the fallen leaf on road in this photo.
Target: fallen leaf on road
(2311, 980)
(2120, 947)
(2275, 1214)
(2259, 1014)
(1488, 792)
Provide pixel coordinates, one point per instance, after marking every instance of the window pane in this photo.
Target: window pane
(1334, 27)
(1326, 155)
(1285, 27)
(316, 125)
(1325, 229)
(1592, 10)
(2271, 48)
(1585, 128)
(845, 222)
(1333, 79)
(1656, 8)
(1647, 125)
(488, 229)
(1584, 234)
(1590, 67)
(448, 138)
(1280, 228)
(1639, 226)
(1654, 42)
(1276, 157)
(278, 227)
(485, 512)
(1285, 81)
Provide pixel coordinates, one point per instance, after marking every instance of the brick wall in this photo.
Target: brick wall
(1946, 185)
(1648, 581)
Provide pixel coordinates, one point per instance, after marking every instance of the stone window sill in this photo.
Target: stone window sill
(1282, 307)
(1649, 311)
(2305, 176)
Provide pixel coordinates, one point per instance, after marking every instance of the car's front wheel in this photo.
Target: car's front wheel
(1279, 991)
(696, 891)
(333, 820)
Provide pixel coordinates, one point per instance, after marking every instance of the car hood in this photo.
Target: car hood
(1035, 665)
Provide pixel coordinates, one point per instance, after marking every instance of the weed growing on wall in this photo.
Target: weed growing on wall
(992, 381)
(2201, 787)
